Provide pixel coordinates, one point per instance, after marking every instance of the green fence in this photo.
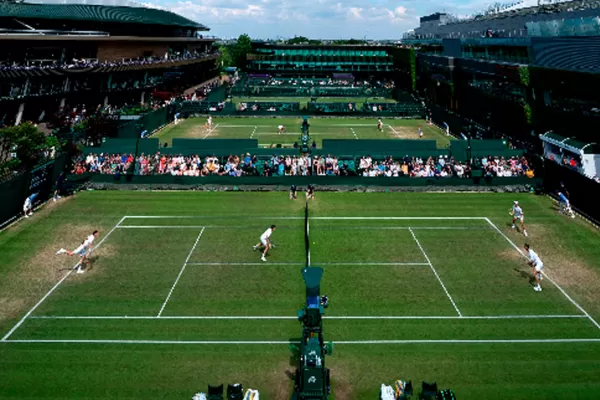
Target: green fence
(147, 122)
(39, 180)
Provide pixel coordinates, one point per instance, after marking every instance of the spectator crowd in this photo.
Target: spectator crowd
(302, 165)
(92, 63)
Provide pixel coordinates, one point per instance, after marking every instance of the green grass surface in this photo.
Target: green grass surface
(373, 266)
(265, 130)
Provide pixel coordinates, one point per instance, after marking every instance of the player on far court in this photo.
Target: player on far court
(265, 241)
(517, 214)
(280, 129)
(293, 195)
(379, 125)
(420, 132)
(310, 192)
(565, 205)
(209, 122)
(82, 251)
(537, 267)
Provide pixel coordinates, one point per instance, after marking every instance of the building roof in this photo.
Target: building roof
(97, 13)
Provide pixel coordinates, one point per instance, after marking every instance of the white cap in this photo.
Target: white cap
(516, 202)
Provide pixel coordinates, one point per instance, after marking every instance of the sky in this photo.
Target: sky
(315, 19)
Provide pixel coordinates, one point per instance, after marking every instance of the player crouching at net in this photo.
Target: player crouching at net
(310, 192)
(82, 251)
(265, 241)
(538, 266)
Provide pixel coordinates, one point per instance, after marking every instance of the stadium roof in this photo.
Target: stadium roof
(97, 13)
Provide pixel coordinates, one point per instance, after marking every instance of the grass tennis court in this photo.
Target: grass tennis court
(265, 130)
(421, 287)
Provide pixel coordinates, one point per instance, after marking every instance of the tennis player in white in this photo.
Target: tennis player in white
(265, 241)
(518, 215)
(538, 266)
(82, 251)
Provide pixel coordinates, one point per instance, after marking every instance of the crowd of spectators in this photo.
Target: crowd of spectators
(91, 63)
(388, 84)
(301, 165)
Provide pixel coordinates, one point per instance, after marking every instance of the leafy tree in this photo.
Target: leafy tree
(225, 60)
(298, 40)
(27, 142)
(240, 51)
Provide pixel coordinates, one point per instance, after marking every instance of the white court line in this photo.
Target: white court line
(210, 131)
(287, 342)
(284, 317)
(593, 321)
(253, 132)
(403, 218)
(202, 217)
(161, 226)
(245, 263)
(354, 133)
(308, 235)
(393, 130)
(435, 272)
(57, 285)
(323, 264)
(324, 227)
(315, 218)
(181, 272)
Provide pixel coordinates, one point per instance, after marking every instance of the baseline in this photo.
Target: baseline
(393, 130)
(284, 317)
(210, 131)
(287, 342)
(580, 308)
(14, 328)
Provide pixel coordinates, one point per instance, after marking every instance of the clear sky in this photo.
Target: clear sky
(324, 19)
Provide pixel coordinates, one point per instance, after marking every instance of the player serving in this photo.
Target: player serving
(265, 241)
(82, 251)
(517, 214)
(537, 267)
(565, 205)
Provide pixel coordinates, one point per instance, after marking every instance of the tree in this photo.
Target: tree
(298, 40)
(224, 59)
(27, 142)
(240, 50)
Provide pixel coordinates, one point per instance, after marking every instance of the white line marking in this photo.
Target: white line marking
(283, 317)
(287, 342)
(203, 216)
(545, 275)
(57, 285)
(246, 263)
(315, 218)
(181, 272)
(403, 218)
(308, 235)
(253, 132)
(354, 133)
(323, 264)
(435, 272)
(393, 130)
(210, 131)
(460, 228)
(161, 226)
